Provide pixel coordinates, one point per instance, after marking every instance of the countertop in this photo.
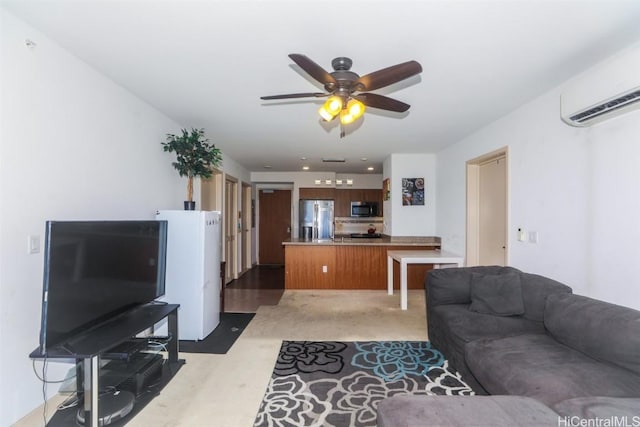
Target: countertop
(382, 241)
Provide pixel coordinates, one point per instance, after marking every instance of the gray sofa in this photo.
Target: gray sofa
(511, 333)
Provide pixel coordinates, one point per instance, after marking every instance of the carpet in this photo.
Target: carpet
(223, 336)
(339, 384)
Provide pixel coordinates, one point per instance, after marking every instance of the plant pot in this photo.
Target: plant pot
(189, 205)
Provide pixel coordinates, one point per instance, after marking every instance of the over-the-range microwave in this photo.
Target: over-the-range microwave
(364, 209)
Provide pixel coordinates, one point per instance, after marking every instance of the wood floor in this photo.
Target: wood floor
(262, 285)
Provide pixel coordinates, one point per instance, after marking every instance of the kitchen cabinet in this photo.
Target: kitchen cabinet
(309, 267)
(317, 193)
(347, 266)
(343, 203)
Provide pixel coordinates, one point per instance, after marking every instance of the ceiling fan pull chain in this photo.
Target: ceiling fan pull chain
(341, 130)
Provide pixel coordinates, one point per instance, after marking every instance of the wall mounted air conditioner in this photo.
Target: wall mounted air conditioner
(609, 89)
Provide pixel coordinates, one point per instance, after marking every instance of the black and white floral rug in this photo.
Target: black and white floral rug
(339, 384)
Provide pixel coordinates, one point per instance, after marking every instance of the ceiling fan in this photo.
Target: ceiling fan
(348, 92)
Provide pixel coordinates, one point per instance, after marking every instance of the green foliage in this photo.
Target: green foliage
(195, 156)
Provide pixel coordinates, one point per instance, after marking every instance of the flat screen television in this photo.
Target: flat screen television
(95, 270)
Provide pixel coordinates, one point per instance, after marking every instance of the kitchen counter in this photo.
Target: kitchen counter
(426, 241)
(351, 263)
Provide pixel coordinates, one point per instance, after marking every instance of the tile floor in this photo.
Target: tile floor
(226, 390)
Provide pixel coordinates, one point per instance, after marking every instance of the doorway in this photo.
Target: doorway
(230, 228)
(487, 209)
(247, 208)
(274, 225)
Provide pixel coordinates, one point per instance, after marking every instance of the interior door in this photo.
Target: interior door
(274, 224)
(492, 210)
(230, 227)
(246, 227)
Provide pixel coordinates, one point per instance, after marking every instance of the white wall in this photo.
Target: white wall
(577, 187)
(73, 145)
(410, 220)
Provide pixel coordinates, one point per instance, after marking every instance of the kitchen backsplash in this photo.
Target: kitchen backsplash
(348, 225)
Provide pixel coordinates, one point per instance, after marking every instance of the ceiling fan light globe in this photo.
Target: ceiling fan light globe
(331, 108)
(326, 116)
(346, 118)
(355, 108)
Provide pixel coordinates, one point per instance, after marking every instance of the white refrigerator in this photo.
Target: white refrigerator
(194, 246)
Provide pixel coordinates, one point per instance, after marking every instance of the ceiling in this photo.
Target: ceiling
(205, 64)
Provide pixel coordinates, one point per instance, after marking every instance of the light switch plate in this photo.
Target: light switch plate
(33, 245)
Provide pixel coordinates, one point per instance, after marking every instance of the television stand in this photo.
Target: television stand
(89, 347)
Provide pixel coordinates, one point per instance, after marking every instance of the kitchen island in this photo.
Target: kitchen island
(351, 263)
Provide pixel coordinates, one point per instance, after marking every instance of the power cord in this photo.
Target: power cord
(43, 378)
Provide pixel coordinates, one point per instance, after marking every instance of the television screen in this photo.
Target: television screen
(94, 270)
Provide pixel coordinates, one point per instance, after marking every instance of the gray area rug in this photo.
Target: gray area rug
(339, 384)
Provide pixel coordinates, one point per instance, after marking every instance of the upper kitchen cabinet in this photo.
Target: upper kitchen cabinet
(343, 203)
(317, 193)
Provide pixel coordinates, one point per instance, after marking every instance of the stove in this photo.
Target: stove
(365, 235)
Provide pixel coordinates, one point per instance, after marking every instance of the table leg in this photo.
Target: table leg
(173, 344)
(389, 275)
(403, 285)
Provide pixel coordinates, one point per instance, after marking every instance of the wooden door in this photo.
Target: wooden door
(274, 224)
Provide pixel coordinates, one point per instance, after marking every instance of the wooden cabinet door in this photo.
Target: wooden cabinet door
(317, 193)
(310, 267)
(356, 195)
(343, 203)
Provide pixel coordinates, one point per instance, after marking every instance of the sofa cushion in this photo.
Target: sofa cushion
(600, 407)
(536, 365)
(498, 294)
(452, 326)
(462, 411)
(598, 329)
(535, 290)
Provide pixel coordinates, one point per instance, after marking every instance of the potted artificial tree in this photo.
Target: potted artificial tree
(195, 157)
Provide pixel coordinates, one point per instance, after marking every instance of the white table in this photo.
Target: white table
(437, 258)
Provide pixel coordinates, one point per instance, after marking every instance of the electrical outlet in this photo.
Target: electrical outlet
(533, 237)
(324, 269)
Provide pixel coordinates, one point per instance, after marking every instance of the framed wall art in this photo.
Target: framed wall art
(412, 191)
(386, 189)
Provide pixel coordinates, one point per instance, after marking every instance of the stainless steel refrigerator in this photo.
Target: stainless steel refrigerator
(316, 219)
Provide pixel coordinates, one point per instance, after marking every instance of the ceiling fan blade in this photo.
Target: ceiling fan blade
(295, 95)
(313, 69)
(382, 102)
(389, 75)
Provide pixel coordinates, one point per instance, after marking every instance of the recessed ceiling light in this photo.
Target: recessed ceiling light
(370, 168)
(267, 166)
(364, 159)
(305, 168)
(303, 158)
